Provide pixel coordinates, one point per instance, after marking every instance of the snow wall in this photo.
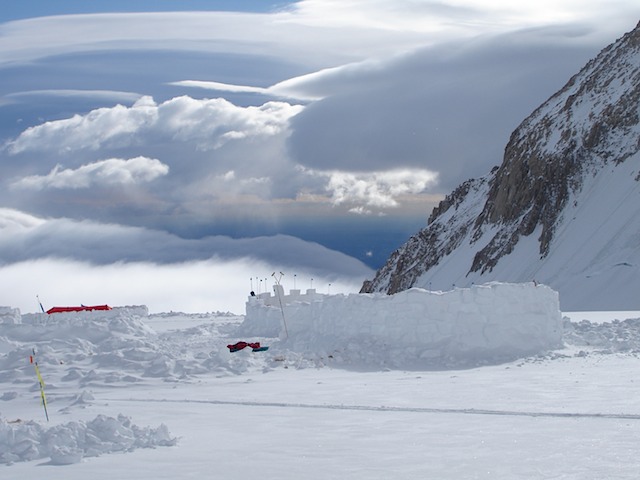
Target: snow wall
(462, 327)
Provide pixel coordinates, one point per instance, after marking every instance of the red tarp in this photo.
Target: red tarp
(81, 308)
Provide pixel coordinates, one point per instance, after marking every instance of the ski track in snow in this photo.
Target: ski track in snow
(368, 408)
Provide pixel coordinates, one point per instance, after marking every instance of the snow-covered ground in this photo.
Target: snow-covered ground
(161, 397)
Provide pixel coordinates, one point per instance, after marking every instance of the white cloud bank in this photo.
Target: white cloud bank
(194, 286)
(24, 237)
(65, 261)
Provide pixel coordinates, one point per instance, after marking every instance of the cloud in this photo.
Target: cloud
(218, 154)
(449, 109)
(210, 123)
(195, 286)
(106, 95)
(99, 95)
(327, 106)
(114, 126)
(406, 15)
(223, 87)
(315, 33)
(113, 171)
(374, 189)
(438, 17)
(286, 89)
(444, 114)
(199, 141)
(206, 123)
(14, 220)
(70, 262)
(277, 34)
(24, 237)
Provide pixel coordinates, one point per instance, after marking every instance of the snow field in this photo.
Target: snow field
(200, 411)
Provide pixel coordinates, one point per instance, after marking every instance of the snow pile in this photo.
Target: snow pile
(70, 442)
(86, 344)
(111, 348)
(609, 337)
(416, 328)
(79, 350)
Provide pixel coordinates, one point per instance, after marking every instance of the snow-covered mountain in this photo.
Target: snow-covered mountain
(562, 209)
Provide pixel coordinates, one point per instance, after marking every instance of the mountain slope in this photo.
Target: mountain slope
(563, 208)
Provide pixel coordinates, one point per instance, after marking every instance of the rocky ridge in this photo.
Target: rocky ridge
(591, 124)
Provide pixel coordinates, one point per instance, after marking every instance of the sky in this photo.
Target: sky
(165, 132)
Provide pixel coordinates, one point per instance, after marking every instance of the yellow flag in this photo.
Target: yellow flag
(41, 381)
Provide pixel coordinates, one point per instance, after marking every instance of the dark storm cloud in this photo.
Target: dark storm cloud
(449, 110)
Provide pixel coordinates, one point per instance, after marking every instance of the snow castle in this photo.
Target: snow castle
(464, 326)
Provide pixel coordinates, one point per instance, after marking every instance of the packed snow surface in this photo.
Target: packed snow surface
(132, 395)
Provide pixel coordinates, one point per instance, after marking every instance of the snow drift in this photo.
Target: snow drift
(465, 326)
(71, 442)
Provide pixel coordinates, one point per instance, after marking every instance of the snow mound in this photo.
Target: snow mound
(416, 328)
(71, 442)
(610, 337)
(98, 347)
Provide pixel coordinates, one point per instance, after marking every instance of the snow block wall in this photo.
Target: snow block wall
(10, 316)
(462, 327)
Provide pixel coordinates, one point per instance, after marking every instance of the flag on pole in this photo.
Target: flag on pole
(41, 307)
(32, 359)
